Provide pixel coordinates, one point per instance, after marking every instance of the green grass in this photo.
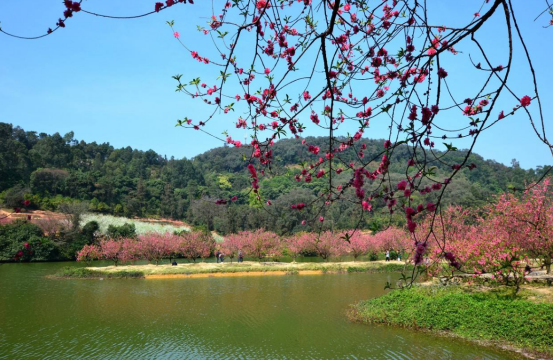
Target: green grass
(377, 267)
(324, 267)
(495, 316)
(83, 273)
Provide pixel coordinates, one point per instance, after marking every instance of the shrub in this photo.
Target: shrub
(15, 196)
(126, 230)
(23, 241)
(373, 256)
(89, 230)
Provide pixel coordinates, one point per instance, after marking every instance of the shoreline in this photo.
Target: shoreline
(205, 270)
(488, 317)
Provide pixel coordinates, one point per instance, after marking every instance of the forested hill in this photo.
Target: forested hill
(51, 169)
(490, 176)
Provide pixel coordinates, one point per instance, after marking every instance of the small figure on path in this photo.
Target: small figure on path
(527, 270)
(240, 256)
(217, 256)
(387, 256)
(221, 257)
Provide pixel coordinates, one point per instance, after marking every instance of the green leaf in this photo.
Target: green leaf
(223, 76)
(449, 147)
(400, 53)
(346, 237)
(287, 99)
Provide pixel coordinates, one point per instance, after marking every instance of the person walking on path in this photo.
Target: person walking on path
(387, 256)
(217, 256)
(240, 256)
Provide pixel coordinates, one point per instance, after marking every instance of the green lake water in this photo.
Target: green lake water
(272, 317)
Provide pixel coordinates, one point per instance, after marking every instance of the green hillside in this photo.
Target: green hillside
(52, 169)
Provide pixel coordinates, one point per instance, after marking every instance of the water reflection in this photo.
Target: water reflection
(285, 317)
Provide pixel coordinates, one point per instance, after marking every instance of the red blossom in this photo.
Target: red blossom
(525, 101)
(402, 185)
(431, 207)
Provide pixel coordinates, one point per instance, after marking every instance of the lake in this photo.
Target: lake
(272, 317)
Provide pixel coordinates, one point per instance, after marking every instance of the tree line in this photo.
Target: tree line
(52, 170)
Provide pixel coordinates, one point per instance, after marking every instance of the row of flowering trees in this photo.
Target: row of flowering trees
(257, 244)
(153, 247)
(261, 244)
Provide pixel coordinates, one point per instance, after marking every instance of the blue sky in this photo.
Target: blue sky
(110, 80)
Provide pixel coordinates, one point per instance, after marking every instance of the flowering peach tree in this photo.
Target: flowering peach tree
(529, 218)
(297, 244)
(112, 250)
(358, 245)
(260, 244)
(232, 244)
(498, 240)
(195, 245)
(89, 253)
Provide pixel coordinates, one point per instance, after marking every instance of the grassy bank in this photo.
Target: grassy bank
(494, 316)
(84, 273)
(141, 271)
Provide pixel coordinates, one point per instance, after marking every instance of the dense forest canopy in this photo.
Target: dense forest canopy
(53, 169)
